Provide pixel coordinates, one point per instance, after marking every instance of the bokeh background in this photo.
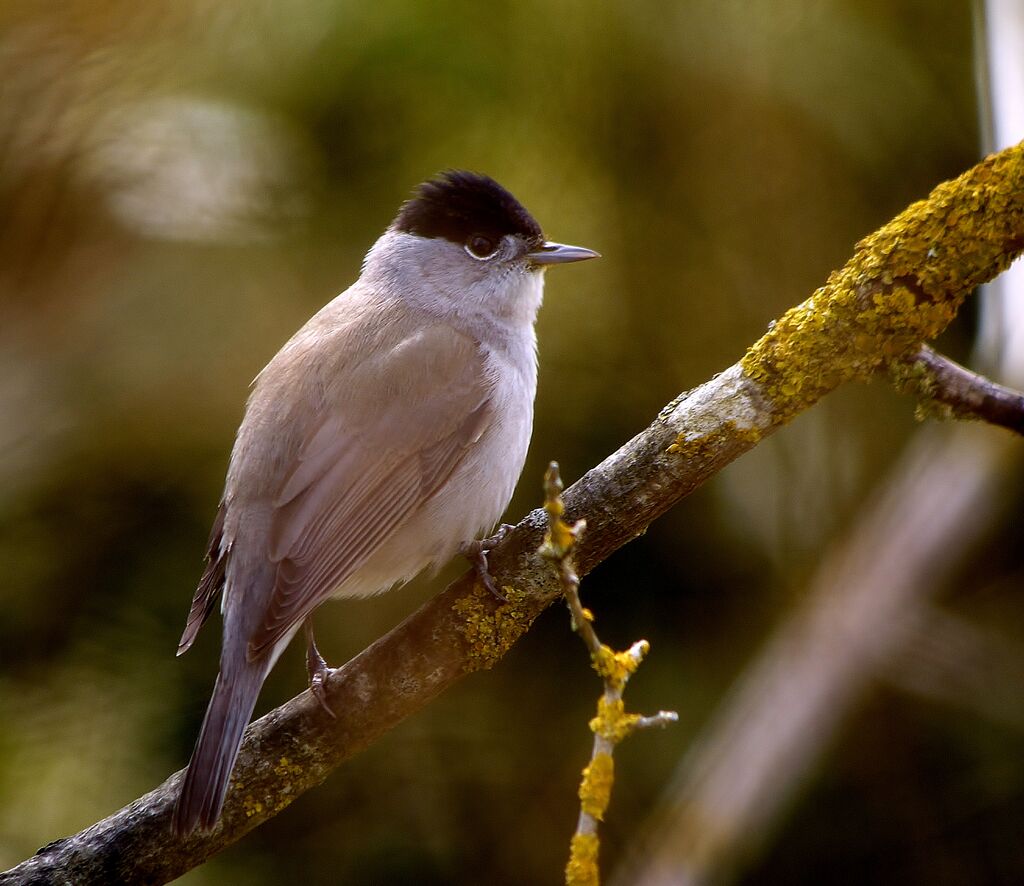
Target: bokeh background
(183, 183)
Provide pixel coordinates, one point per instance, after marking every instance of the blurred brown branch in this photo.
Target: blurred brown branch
(862, 607)
(949, 659)
(902, 285)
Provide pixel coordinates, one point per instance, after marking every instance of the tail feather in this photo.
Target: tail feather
(206, 781)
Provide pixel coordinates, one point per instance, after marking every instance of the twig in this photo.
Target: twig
(612, 724)
(948, 390)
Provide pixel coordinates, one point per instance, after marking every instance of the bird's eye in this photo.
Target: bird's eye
(480, 246)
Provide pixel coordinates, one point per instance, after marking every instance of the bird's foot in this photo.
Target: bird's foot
(476, 552)
(317, 669)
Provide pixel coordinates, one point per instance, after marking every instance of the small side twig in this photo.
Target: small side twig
(946, 389)
(612, 724)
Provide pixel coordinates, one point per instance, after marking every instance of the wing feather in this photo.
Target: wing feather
(210, 585)
(367, 467)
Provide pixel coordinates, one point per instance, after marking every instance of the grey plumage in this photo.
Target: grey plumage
(390, 429)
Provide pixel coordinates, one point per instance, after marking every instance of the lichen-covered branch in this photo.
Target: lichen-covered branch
(611, 724)
(902, 286)
(945, 389)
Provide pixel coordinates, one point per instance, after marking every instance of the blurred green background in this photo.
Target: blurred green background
(183, 183)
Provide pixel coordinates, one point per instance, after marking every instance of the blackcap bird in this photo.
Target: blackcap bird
(388, 431)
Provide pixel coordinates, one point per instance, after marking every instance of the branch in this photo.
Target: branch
(948, 659)
(948, 390)
(903, 285)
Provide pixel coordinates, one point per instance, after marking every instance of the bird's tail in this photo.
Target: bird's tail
(206, 781)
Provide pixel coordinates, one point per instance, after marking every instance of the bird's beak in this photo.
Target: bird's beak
(559, 253)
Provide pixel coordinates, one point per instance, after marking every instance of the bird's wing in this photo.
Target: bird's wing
(210, 585)
(368, 465)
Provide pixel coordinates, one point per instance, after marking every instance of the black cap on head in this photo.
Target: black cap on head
(457, 204)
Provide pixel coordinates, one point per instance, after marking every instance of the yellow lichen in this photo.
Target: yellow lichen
(700, 446)
(490, 634)
(704, 445)
(285, 768)
(252, 806)
(582, 868)
(560, 537)
(903, 285)
(596, 787)
(617, 667)
(936, 411)
(612, 722)
(913, 377)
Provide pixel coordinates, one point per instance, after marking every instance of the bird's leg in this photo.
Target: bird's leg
(317, 669)
(476, 552)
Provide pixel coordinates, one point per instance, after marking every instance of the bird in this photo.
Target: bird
(383, 438)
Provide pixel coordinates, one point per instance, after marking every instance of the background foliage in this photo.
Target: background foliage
(183, 183)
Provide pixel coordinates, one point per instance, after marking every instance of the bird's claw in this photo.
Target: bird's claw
(318, 671)
(476, 552)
